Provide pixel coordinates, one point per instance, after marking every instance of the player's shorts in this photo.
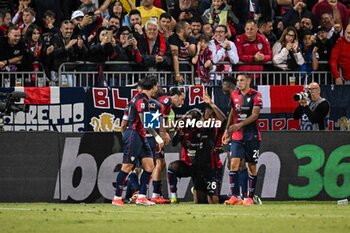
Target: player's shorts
(152, 142)
(180, 168)
(247, 150)
(135, 147)
(206, 182)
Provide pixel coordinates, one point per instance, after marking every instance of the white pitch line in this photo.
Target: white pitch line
(162, 212)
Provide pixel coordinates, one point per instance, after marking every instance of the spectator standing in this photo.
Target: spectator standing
(155, 50)
(49, 21)
(265, 28)
(102, 49)
(183, 47)
(127, 48)
(28, 17)
(253, 48)
(196, 28)
(286, 52)
(12, 49)
(324, 47)
(327, 21)
(116, 9)
(184, 11)
(41, 6)
(66, 48)
(223, 50)
(207, 30)
(340, 57)
(148, 10)
(165, 25)
(34, 50)
(17, 18)
(203, 59)
(5, 20)
(334, 7)
(310, 52)
(221, 14)
(295, 12)
(136, 23)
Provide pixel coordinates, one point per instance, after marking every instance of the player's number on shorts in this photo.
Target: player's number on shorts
(211, 185)
(256, 154)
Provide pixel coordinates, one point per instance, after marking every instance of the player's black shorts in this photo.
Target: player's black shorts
(135, 147)
(247, 150)
(205, 180)
(152, 142)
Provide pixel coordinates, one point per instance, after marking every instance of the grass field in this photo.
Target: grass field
(281, 217)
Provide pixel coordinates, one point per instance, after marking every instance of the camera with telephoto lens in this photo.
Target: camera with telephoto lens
(302, 95)
(8, 103)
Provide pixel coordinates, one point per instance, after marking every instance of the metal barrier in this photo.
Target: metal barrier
(84, 74)
(278, 78)
(87, 74)
(23, 78)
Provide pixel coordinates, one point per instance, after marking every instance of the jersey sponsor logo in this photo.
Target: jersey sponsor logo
(152, 119)
(242, 117)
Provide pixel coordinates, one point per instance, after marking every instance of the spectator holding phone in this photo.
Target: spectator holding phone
(103, 47)
(127, 48)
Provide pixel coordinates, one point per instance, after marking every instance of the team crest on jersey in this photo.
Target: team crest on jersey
(238, 107)
(260, 46)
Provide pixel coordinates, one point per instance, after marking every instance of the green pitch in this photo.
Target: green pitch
(281, 217)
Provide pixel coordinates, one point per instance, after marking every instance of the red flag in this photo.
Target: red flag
(279, 99)
(282, 98)
(40, 95)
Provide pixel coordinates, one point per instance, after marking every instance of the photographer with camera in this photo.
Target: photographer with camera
(8, 105)
(313, 110)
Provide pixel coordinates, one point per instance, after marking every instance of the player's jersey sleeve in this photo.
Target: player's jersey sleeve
(232, 98)
(258, 100)
(166, 105)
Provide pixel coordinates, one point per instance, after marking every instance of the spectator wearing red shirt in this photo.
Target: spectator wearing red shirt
(340, 56)
(253, 48)
(336, 8)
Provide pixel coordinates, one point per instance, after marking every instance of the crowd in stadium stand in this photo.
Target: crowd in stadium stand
(159, 35)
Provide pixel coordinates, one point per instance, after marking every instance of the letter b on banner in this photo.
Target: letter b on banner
(70, 162)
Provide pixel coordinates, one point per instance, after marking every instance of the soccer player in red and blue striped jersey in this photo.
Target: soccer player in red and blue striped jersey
(174, 98)
(243, 131)
(136, 147)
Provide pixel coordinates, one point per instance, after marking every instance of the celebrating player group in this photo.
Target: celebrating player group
(146, 129)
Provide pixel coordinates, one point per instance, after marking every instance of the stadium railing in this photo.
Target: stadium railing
(73, 74)
(87, 74)
(21, 78)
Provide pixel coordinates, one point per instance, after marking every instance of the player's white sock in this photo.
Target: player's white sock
(173, 195)
(155, 195)
(116, 197)
(141, 196)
